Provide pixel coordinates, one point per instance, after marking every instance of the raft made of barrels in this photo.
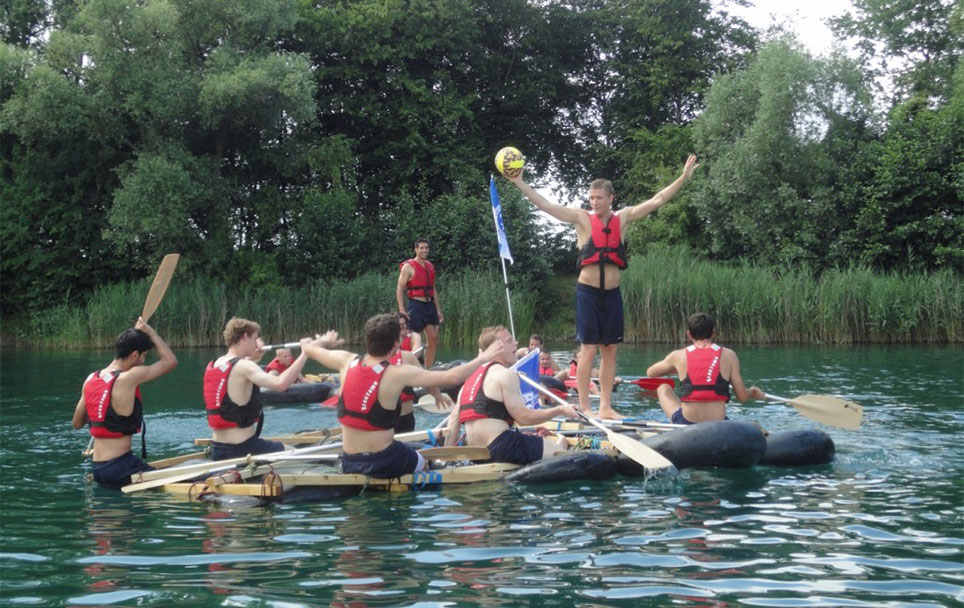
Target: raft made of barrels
(301, 392)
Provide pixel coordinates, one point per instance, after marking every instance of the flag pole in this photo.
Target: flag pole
(503, 245)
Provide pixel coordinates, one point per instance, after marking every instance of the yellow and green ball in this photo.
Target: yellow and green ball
(510, 162)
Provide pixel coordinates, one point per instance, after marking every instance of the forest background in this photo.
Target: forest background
(291, 150)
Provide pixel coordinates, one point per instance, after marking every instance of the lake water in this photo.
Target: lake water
(883, 525)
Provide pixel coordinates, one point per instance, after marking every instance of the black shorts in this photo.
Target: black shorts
(252, 445)
(394, 461)
(599, 315)
(515, 447)
(679, 418)
(421, 314)
(116, 473)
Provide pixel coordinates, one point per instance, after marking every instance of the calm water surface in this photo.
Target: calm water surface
(881, 526)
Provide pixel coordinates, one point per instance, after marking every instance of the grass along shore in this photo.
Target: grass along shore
(751, 304)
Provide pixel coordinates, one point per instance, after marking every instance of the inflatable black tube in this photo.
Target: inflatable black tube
(552, 382)
(568, 467)
(797, 448)
(302, 392)
(725, 444)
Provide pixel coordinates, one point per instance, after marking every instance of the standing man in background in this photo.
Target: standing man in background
(416, 279)
(602, 257)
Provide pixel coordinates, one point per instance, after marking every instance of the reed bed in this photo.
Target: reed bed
(194, 311)
(754, 304)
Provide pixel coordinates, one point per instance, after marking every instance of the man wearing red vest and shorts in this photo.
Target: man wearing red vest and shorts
(111, 402)
(490, 402)
(416, 280)
(707, 371)
(369, 404)
(599, 304)
(232, 392)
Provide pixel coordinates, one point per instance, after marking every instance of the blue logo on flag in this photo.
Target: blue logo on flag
(529, 365)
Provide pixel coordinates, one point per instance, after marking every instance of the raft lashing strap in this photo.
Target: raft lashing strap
(588, 443)
(431, 438)
(425, 478)
(268, 483)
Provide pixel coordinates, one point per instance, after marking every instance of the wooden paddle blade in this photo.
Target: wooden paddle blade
(428, 404)
(651, 384)
(161, 280)
(831, 411)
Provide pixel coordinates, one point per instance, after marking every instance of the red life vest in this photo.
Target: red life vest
(105, 422)
(475, 405)
(223, 412)
(573, 368)
(408, 393)
(546, 371)
(703, 381)
(605, 245)
(358, 404)
(406, 343)
(422, 283)
(276, 366)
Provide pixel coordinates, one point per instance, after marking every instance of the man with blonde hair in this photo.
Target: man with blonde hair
(602, 256)
(490, 402)
(232, 392)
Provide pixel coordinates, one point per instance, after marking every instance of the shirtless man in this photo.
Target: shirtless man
(707, 372)
(416, 279)
(599, 304)
(368, 407)
(232, 392)
(111, 401)
(490, 402)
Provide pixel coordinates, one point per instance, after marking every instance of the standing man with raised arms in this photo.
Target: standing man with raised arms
(111, 401)
(602, 255)
(416, 279)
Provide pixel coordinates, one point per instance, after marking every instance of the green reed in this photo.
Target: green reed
(765, 305)
(194, 311)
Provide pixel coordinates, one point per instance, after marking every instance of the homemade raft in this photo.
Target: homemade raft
(293, 478)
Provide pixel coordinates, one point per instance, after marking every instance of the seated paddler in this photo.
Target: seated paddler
(490, 402)
(111, 402)
(369, 404)
(232, 392)
(708, 372)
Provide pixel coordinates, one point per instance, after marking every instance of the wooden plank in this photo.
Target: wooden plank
(176, 460)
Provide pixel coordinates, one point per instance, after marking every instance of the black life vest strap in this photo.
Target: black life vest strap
(143, 439)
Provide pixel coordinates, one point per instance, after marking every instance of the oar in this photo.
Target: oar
(162, 278)
(831, 411)
(159, 287)
(654, 462)
(288, 345)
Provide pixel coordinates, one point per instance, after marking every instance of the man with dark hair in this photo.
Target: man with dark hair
(111, 402)
(490, 402)
(707, 371)
(599, 304)
(232, 392)
(416, 280)
(368, 407)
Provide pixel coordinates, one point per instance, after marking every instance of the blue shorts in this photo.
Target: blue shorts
(678, 418)
(394, 461)
(252, 445)
(599, 315)
(515, 447)
(116, 473)
(421, 314)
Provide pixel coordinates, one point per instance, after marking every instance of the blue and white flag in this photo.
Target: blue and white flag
(529, 365)
(499, 226)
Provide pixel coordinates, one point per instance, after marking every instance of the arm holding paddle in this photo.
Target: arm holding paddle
(508, 383)
(253, 372)
(165, 363)
(736, 381)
